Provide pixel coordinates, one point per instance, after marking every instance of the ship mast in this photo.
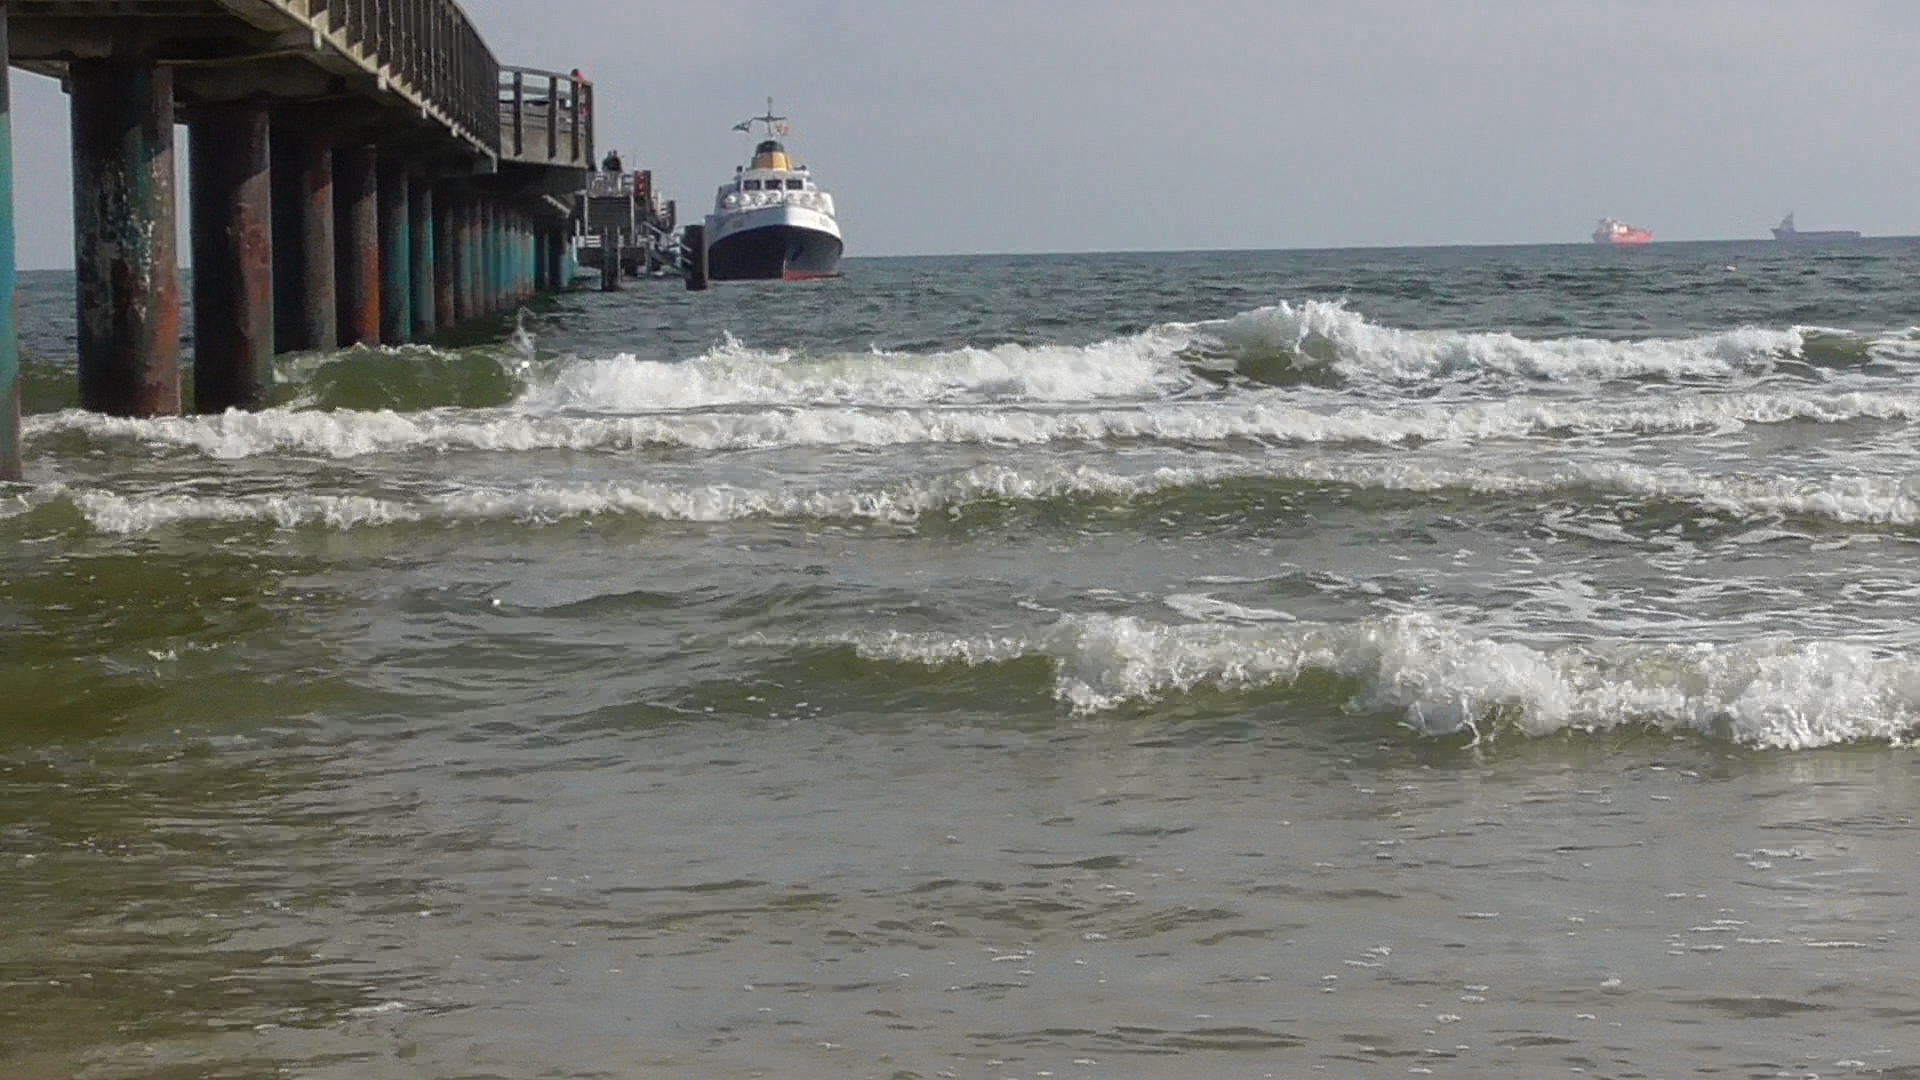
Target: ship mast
(775, 125)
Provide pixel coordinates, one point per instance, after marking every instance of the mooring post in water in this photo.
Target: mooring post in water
(425, 301)
(356, 188)
(610, 260)
(10, 464)
(304, 310)
(126, 261)
(396, 253)
(694, 240)
(229, 173)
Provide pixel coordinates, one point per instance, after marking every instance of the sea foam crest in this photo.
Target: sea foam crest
(1263, 415)
(1848, 499)
(1319, 333)
(1441, 680)
(1140, 366)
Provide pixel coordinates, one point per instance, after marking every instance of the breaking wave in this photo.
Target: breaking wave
(1442, 680)
(1851, 500)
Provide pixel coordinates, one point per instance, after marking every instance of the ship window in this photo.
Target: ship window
(752, 185)
(795, 185)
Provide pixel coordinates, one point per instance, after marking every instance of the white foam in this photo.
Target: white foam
(1141, 366)
(1443, 680)
(1266, 416)
(1849, 499)
(1323, 333)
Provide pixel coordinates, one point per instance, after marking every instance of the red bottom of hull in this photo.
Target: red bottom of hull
(807, 275)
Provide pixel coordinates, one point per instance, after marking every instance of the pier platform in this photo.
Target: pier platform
(361, 172)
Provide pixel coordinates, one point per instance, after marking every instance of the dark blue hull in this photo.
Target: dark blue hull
(774, 253)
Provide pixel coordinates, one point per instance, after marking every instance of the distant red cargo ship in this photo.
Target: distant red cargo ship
(1617, 233)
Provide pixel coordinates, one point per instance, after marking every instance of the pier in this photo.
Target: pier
(360, 172)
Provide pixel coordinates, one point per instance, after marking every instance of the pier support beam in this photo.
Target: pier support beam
(556, 259)
(10, 464)
(228, 169)
(466, 299)
(542, 276)
(425, 302)
(356, 191)
(126, 261)
(446, 261)
(304, 312)
(396, 255)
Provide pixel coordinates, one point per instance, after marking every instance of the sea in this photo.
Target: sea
(1471, 662)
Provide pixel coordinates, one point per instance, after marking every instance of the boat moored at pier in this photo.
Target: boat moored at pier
(772, 221)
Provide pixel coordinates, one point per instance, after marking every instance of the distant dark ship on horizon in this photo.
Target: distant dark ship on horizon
(1787, 233)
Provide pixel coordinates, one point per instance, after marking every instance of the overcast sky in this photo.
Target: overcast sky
(1071, 125)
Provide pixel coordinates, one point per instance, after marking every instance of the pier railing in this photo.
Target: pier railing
(427, 46)
(546, 118)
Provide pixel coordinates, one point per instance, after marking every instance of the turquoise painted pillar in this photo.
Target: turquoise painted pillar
(10, 465)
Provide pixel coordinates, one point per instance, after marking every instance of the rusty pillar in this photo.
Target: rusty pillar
(356, 200)
(126, 261)
(396, 254)
(304, 312)
(420, 203)
(228, 169)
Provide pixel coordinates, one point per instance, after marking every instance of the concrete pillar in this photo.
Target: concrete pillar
(356, 201)
(542, 279)
(529, 283)
(396, 254)
(490, 258)
(126, 261)
(10, 464)
(446, 259)
(425, 302)
(465, 300)
(304, 312)
(556, 259)
(229, 172)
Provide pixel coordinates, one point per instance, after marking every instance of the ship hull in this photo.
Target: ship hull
(773, 244)
(1814, 237)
